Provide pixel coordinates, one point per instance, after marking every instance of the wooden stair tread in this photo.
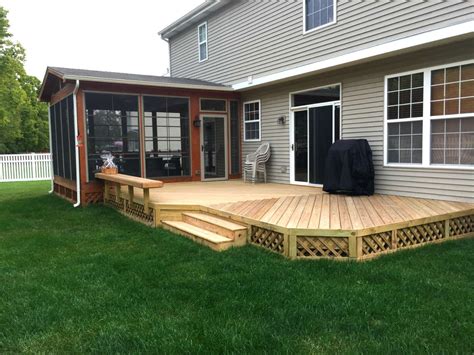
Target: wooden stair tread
(216, 220)
(198, 232)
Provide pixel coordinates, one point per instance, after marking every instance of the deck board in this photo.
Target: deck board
(301, 207)
(306, 213)
(316, 213)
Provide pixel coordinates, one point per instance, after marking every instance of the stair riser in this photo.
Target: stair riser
(237, 236)
(216, 247)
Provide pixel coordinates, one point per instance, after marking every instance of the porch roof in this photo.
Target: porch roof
(71, 74)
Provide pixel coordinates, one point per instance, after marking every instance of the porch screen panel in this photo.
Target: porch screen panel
(57, 109)
(234, 137)
(72, 138)
(65, 138)
(167, 136)
(112, 126)
(54, 148)
(62, 138)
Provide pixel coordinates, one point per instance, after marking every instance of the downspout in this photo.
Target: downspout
(76, 141)
(51, 149)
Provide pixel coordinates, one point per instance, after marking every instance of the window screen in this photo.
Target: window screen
(62, 138)
(167, 144)
(112, 125)
(452, 141)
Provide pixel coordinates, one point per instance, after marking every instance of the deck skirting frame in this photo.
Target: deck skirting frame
(310, 244)
(134, 210)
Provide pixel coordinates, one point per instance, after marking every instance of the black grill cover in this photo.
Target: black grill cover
(349, 168)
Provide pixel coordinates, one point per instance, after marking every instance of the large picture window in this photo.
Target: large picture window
(430, 117)
(167, 151)
(319, 13)
(252, 121)
(112, 126)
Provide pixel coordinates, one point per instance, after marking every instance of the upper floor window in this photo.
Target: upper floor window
(318, 13)
(202, 41)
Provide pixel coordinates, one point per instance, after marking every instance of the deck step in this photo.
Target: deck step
(218, 225)
(200, 235)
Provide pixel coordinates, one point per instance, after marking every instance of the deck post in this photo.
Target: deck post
(394, 239)
(353, 246)
(292, 246)
(146, 199)
(130, 194)
(446, 228)
(106, 190)
(359, 247)
(117, 192)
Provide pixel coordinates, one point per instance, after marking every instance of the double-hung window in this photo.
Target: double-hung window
(430, 117)
(318, 13)
(252, 121)
(202, 41)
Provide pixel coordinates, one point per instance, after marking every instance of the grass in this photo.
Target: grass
(89, 280)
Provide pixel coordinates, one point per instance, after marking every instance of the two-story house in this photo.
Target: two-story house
(398, 73)
(298, 74)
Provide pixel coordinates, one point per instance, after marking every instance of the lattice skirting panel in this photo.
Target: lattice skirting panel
(65, 192)
(268, 239)
(322, 247)
(133, 210)
(373, 244)
(376, 243)
(93, 197)
(461, 225)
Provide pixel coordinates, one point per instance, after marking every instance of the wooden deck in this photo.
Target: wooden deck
(340, 213)
(304, 222)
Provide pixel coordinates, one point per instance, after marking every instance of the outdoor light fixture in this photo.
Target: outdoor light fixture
(281, 120)
(197, 122)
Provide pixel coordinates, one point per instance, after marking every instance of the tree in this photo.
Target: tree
(23, 119)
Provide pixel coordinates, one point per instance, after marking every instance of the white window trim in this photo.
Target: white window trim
(202, 42)
(334, 21)
(253, 121)
(425, 119)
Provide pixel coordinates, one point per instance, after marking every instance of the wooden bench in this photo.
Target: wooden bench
(117, 180)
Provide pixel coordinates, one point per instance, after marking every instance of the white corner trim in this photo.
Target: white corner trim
(390, 47)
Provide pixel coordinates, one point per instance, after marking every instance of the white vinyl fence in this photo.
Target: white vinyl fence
(25, 167)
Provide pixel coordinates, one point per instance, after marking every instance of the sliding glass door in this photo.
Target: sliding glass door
(314, 129)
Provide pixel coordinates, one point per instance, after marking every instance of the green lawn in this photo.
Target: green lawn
(89, 280)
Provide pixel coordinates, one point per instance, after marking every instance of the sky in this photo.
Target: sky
(111, 35)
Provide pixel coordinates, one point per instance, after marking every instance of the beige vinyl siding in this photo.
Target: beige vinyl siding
(262, 37)
(362, 117)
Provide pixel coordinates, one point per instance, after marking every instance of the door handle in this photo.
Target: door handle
(202, 148)
(293, 147)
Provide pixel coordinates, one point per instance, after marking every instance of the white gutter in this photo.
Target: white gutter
(371, 53)
(51, 150)
(147, 83)
(76, 144)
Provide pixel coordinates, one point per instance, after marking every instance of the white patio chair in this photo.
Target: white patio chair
(256, 163)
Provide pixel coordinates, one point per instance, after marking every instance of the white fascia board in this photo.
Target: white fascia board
(147, 83)
(364, 54)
